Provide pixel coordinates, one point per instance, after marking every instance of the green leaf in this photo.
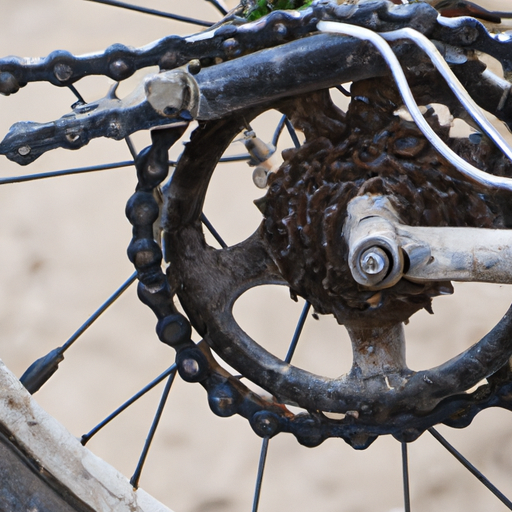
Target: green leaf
(263, 7)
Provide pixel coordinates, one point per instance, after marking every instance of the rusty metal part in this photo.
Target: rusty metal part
(471, 107)
(431, 253)
(369, 150)
(308, 241)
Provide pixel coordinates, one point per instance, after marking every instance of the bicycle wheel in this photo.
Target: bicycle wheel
(329, 471)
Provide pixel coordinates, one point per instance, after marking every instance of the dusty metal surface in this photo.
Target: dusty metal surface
(55, 304)
(25, 488)
(232, 66)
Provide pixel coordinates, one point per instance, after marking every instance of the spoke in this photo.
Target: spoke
(154, 12)
(85, 438)
(219, 6)
(223, 160)
(305, 310)
(259, 477)
(134, 480)
(343, 91)
(292, 132)
(41, 370)
(131, 146)
(213, 231)
(265, 442)
(472, 469)
(79, 97)
(405, 475)
(66, 172)
(278, 131)
(100, 310)
(298, 332)
(235, 158)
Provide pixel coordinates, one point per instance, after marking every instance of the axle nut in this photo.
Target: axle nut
(374, 262)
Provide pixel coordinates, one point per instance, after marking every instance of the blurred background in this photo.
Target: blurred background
(63, 252)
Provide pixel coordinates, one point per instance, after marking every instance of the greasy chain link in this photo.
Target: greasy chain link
(230, 39)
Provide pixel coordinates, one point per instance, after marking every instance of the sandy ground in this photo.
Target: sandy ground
(62, 253)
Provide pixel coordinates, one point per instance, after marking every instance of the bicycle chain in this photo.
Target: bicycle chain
(234, 36)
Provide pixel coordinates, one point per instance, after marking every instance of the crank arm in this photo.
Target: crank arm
(382, 250)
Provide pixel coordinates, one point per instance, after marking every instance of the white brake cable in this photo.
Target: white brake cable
(387, 53)
(453, 82)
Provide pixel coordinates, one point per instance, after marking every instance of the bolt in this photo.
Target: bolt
(192, 364)
(260, 177)
(224, 400)
(174, 329)
(24, 150)
(468, 35)
(194, 66)
(231, 47)
(190, 367)
(280, 30)
(62, 71)
(265, 423)
(8, 83)
(169, 60)
(374, 261)
(120, 68)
